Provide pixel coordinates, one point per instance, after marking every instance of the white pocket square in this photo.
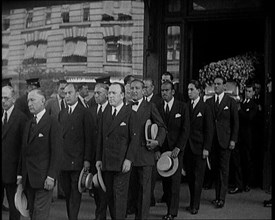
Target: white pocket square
(177, 115)
(225, 107)
(122, 124)
(199, 115)
(247, 109)
(40, 135)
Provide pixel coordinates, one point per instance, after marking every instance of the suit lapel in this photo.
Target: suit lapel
(9, 124)
(222, 104)
(40, 124)
(196, 110)
(173, 111)
(117, 119)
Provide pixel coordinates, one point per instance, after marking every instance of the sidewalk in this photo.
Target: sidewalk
(246, 205)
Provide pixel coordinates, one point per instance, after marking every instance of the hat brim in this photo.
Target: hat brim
(21, 202)
(148, 122)
(80, 188)
(89, 181)
(100, 180)
(173, 169)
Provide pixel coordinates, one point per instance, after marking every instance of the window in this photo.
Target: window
(75, 50)
(48, 16)
(29, 19)
(65, 17)
(86, 14)
(6, 24)
(119, 50)
(5, 54)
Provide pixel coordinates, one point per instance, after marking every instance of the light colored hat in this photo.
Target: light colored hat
(98, 180)
(85, 181)
(151, 130)
(21, 202)
(167, 165)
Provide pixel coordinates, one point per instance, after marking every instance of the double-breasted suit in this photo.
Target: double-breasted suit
(12, 134)
(144, 159)
(41, 153)
(226, 128)
(200, 138)
(177, 135)
(77, 147)
(113, 148)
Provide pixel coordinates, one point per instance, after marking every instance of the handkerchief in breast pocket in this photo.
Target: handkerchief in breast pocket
(199, 115)
(225, 108)
(177, 115)
(40, 135)
(122, 124)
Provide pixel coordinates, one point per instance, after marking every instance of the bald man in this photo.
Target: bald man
(41, 153)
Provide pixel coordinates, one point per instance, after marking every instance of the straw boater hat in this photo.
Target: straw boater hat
(167, 165)
(85, 181)
(151, 130)
(98, 180)
(21, 202)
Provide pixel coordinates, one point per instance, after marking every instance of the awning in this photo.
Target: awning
(69, 49)
(81, 49)
(30, 51)
(40, 53)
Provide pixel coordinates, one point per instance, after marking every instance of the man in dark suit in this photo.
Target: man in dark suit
(77, 147)
(198, 145)
(115, 154)
(53, 107)
(176, 117)
(247, 113)
(102, 105)
(149, 95)
(41, 154)
(13, 124)
(145, 158)
(21, 103)
(226, 127)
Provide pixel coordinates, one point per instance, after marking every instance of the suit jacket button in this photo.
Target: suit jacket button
(72, 162)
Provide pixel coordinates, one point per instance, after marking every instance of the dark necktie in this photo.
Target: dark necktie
(33, 124)
(217, 105)
(114, 114)
(5, 118)
(86, 103)
(167, 113)
(62, 104)
(99, 110)
(70, 110)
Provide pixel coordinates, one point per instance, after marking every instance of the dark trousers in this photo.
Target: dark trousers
(195, 169)
(10, 193)
(69, 181)
(153, 183)
(117, 184)
(39, 202)
(100, 198)
(220, 166)
(171, 187)
(236, 171)
(142, 175)
(246, 163)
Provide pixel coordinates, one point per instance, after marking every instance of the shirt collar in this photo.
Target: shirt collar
(9, 111)
(150, 97)
(196, 101)
(103, 106)
(73, 106)
(170, 103)
(220, 97)
(40, 115)
(117, 108)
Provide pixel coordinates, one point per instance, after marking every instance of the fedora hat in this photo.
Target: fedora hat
(167, 165)
(85, 181)
(98, 180)
(151, 130)
(21, 202)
